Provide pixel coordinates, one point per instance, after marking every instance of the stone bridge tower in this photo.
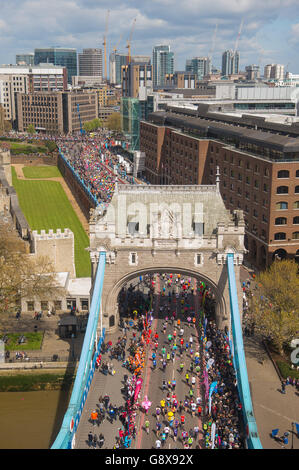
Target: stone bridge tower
(178, 229)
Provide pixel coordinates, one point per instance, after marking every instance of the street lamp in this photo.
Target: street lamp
(292, 447)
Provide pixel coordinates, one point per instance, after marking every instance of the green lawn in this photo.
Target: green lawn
(23, 147)
(41, 172)
(33, 341)
(46, 206)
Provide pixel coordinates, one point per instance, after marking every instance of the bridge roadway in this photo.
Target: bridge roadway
(152, 385)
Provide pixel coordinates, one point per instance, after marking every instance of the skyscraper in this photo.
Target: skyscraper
(201, 66)
(230, 62)
(58, 56)
(90, 63)
(163, 63)
(116, 61)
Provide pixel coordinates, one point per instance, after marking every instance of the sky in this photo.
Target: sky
(269, 29)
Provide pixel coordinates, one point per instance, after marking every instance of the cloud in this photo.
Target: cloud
(188, 25)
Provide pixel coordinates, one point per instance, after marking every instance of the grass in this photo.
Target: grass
(41, 172)
(17, 148)
(33, 341)
(46, 206)
(286, 370)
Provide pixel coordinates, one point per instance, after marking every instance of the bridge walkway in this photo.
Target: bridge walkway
(101, 385)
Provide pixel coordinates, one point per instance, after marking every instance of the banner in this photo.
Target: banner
(213, 432)
(138, 388)
(213, 387)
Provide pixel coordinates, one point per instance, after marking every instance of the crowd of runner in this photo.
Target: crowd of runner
(174, 338)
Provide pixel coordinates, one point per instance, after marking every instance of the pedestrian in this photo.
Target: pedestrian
(158, 444)
(147, 426)
(283, 387)
(94, 417)
(95, 441)
(101, 440)
(90, 438)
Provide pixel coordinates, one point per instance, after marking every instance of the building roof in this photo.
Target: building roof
(147, 200)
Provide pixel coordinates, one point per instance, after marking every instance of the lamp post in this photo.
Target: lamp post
(292, 446)
(73, 349)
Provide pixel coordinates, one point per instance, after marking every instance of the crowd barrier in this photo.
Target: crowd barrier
(80, 180)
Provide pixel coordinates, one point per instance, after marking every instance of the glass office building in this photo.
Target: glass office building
(58, 56)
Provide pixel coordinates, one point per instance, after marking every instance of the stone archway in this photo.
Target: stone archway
(111, 300)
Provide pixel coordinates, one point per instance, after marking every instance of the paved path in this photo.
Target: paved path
(152, 387)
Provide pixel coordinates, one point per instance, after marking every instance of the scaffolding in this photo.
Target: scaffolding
(130, 121)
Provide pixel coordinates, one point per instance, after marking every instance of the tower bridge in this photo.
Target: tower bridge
(158, 229)
(182, 229)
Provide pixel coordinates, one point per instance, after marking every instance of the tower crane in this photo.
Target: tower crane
(238, 37)
(128, 46)
(105, 43)
(115, 47)
(213, 44)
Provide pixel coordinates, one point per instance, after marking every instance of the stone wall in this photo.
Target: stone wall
(34, 160)
(76, 188)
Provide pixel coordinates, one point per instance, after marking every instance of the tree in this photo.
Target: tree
(51, 145)
(31, 129)
(275, 303)
(90, 126)
(23, 275)
(114, 122)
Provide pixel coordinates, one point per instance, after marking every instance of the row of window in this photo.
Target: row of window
(283, 236)
(284, 221)
(285, 190)
(286, 174)
(282, 205)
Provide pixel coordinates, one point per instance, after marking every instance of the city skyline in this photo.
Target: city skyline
(269, 32)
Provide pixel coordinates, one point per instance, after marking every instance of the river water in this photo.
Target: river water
(31, 420)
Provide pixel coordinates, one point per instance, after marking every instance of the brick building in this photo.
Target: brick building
(258, 163)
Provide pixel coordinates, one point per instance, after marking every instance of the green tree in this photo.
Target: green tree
(275, 303)
(51, 145)
(114, 122)
(31, 129)
(91, 126)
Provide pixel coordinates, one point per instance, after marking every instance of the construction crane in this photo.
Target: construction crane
(128, 46)
(81, 128)
(116, 46)
(105, 43)
(238, 37)
(213, 44)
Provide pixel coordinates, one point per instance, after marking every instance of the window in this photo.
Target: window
(247, 180)
(280, 221)
(280, 236)
(297, 173)
(57, 304)
(281, 205)
(30, 306)
(265, 187)
(198, 258)
(283, 174)
(282, 190)
(296, 220)
(256, 184)
(255, 213)
(133, 258)
(295, 235)
(44, 305)
(296, 189)
(84, 304)
(296, 205)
